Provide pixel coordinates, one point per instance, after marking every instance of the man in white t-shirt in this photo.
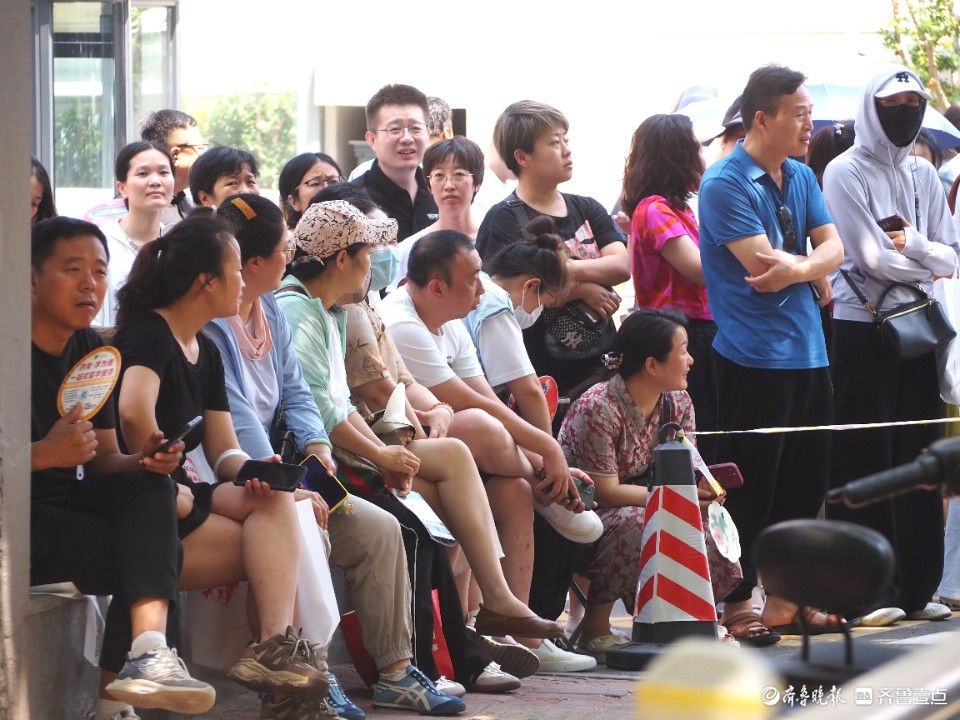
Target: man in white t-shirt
(423, 319)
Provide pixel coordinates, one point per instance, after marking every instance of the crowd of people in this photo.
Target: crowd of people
(489, 341)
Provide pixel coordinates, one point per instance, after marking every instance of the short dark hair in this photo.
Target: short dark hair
(664, 160)
(353, 194)
(158, 125)
(395, 95)
(764, 89)
(519, 126)
(292, 175)
(46, 233)
(129, 151)
(47, 208)
(430, 257)
(257, 224)
(827, 144)
(466, 153)
(216, 163)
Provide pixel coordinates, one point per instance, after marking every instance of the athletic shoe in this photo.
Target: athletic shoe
(124, 713)
(555, 660)
(494, 680)
(414, 691)
(932, 611)
(881, 617)
(516, 660)
(294, 708)
(159, 679)
(450, 687)
(341, 704)
(585, 527)
(283, 662)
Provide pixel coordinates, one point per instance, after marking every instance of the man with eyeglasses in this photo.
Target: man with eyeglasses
(896, 227)
(178, 132)
(397, 133)
(757, 209)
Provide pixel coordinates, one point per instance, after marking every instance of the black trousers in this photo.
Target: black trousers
(429, 569)
(114, 535)
(703, 385)
(871, 389)
(785, 474)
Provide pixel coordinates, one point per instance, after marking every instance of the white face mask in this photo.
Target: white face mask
(526, 319)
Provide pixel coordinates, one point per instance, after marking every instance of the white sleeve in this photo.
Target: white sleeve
(424, 360)
(501, 349)
(462, 354)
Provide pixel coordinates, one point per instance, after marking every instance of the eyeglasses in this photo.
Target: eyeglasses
(289, 249)
(315, 183)
(788, 228)
(395, 131)
(458, 177)
(196, 147)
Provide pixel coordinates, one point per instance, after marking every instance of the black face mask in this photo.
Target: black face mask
(901, 123)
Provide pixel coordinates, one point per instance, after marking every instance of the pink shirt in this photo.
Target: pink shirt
(656, 282)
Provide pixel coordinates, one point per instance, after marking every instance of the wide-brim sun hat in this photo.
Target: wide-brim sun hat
(328, 227)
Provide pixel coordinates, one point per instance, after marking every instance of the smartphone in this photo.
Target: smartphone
(891, 223)
(727, 474)
(319, 480)
(588, 493)
(279, 476)
(184, 431)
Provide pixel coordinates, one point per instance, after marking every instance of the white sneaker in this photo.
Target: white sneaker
(881, 617)
(585, 527)
(553, 659)
(933, 611)
(495, 680)
(450, 687)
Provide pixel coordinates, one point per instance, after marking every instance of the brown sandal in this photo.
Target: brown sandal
(747, 627)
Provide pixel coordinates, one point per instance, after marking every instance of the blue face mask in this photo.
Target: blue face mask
(384, 264)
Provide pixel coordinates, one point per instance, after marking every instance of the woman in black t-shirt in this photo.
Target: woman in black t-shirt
(172, 373)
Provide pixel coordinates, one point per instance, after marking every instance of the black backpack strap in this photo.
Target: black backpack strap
(521, 213)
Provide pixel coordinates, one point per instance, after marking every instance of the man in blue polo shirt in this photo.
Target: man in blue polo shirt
(757, 209)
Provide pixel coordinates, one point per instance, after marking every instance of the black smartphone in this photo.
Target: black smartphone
(184, 431)
(319, 480)
(279, 476)
(588, 493)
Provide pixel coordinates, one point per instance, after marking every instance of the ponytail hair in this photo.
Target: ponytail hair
(645, 333)
(166, 268)
(541, 253)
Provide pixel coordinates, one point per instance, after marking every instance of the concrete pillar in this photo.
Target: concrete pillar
(15, 125)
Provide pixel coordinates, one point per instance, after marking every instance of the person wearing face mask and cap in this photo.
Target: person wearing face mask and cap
(875, 180)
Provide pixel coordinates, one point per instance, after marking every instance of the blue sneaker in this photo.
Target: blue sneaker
(414, 691)
(159, 679)
(342, 705)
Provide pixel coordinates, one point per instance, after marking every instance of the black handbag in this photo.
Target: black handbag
(911, 329)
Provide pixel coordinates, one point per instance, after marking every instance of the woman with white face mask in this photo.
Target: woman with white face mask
(524, 278)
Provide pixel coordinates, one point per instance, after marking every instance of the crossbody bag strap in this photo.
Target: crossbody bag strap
(867, 305)
(521, 214)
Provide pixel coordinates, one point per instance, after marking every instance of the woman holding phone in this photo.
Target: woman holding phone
(263, 380)
(171, 374)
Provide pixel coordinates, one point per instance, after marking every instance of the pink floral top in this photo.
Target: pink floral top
(604, 432)
(656, 282)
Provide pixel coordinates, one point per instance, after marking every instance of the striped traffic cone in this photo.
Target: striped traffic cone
(674, 595)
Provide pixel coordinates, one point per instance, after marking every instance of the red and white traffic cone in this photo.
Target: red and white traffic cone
(674, 594)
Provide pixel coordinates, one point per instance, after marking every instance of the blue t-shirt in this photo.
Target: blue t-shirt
(738, 199)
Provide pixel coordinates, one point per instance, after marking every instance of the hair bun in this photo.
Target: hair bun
(542, 232)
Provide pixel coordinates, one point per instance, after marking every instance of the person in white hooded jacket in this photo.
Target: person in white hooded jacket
(875, 179)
